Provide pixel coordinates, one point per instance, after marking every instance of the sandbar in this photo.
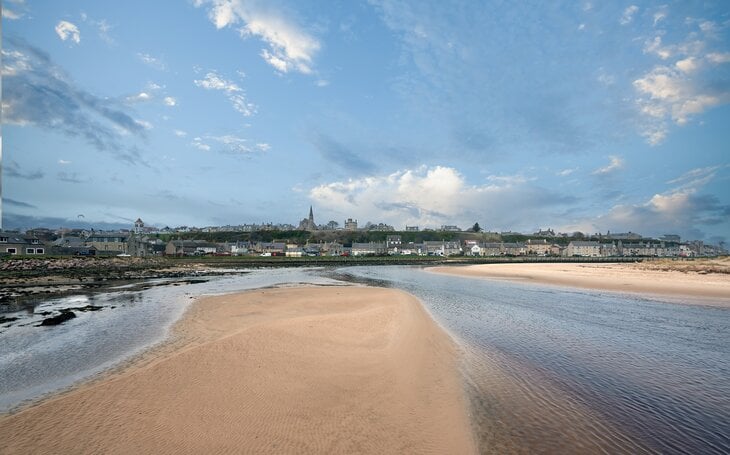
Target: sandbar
(686, 286)
(287, 370)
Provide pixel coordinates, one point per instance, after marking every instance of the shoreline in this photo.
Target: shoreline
(680, 286)
(292, 369)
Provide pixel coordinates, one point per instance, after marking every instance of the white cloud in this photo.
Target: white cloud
(200, 145)
(695, 178)
(64, 162)
(566, 172)
(180, 133)
(9, 14)
(14, 62)
(234, 93)
(230, 144)
(615, 164)
(719, 57)
(672, 95)
(628, 16)
(139, 97)
(289, 47)
(659, 16)
(66, 30)
(170, 101)
(153, 62)
(677, 93)
(688, 65)
(680, 210)
(432, 196)
(144, 124)
(655, 47)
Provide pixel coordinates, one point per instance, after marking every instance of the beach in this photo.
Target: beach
(285, 370)
(709, 284)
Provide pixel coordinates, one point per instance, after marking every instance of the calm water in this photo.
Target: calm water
(547, 369)
(35, 361)
(554, 370)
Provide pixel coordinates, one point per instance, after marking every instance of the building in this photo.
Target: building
(189, 248)
(308, 224)
(514, 249)
(538, 247)
(442, 248)
(583, 248)
(393, 243)
(350, 224)
(369, 249)
(411, 228)
(138, 226)
(108, 242)
(15, 243)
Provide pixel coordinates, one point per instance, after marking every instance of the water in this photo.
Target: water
(35, 361)
(546, 369)
(555, 370)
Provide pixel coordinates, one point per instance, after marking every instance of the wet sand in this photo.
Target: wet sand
(288, 370)
(689, 287)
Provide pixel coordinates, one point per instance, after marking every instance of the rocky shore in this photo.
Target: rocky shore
(25, 278)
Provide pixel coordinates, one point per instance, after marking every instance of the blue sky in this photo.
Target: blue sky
(589, 116)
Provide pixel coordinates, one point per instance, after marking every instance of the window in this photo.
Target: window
(30, 251)
(12, 251)
(3, 239)
(39, 251)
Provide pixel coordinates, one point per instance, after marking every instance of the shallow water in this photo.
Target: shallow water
(554, 369)
(35, 361)
(547, 369)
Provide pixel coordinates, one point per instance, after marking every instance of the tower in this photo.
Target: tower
(311, 216)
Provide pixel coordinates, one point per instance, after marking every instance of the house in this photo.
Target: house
(369, 249)
(239, 248)
(271, 248)
(538, 247)
(189, 248)
(583, 248)
(294, 252)
(394, 244)
(16, 243)
(490, 249)
(514, 249)
(333, 249)
(417, 249)
(442, 248)
(108, 242)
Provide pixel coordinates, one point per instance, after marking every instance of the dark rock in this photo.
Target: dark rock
(60, 319)
(4, 319)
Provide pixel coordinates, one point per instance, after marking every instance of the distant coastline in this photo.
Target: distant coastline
(705, 281)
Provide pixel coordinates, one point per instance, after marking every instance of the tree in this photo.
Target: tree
(476, 228)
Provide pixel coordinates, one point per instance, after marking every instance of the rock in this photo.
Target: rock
(60, 319)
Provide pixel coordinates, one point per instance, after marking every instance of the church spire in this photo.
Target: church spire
(311, 215)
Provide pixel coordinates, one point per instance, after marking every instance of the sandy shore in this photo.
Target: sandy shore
(689, 287)
(290, 370)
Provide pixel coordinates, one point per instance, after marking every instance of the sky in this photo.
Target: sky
(577, 116)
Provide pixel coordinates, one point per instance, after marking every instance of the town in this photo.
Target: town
(310, 239)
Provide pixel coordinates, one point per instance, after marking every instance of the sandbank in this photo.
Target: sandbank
(687, 287)
(286, 370)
